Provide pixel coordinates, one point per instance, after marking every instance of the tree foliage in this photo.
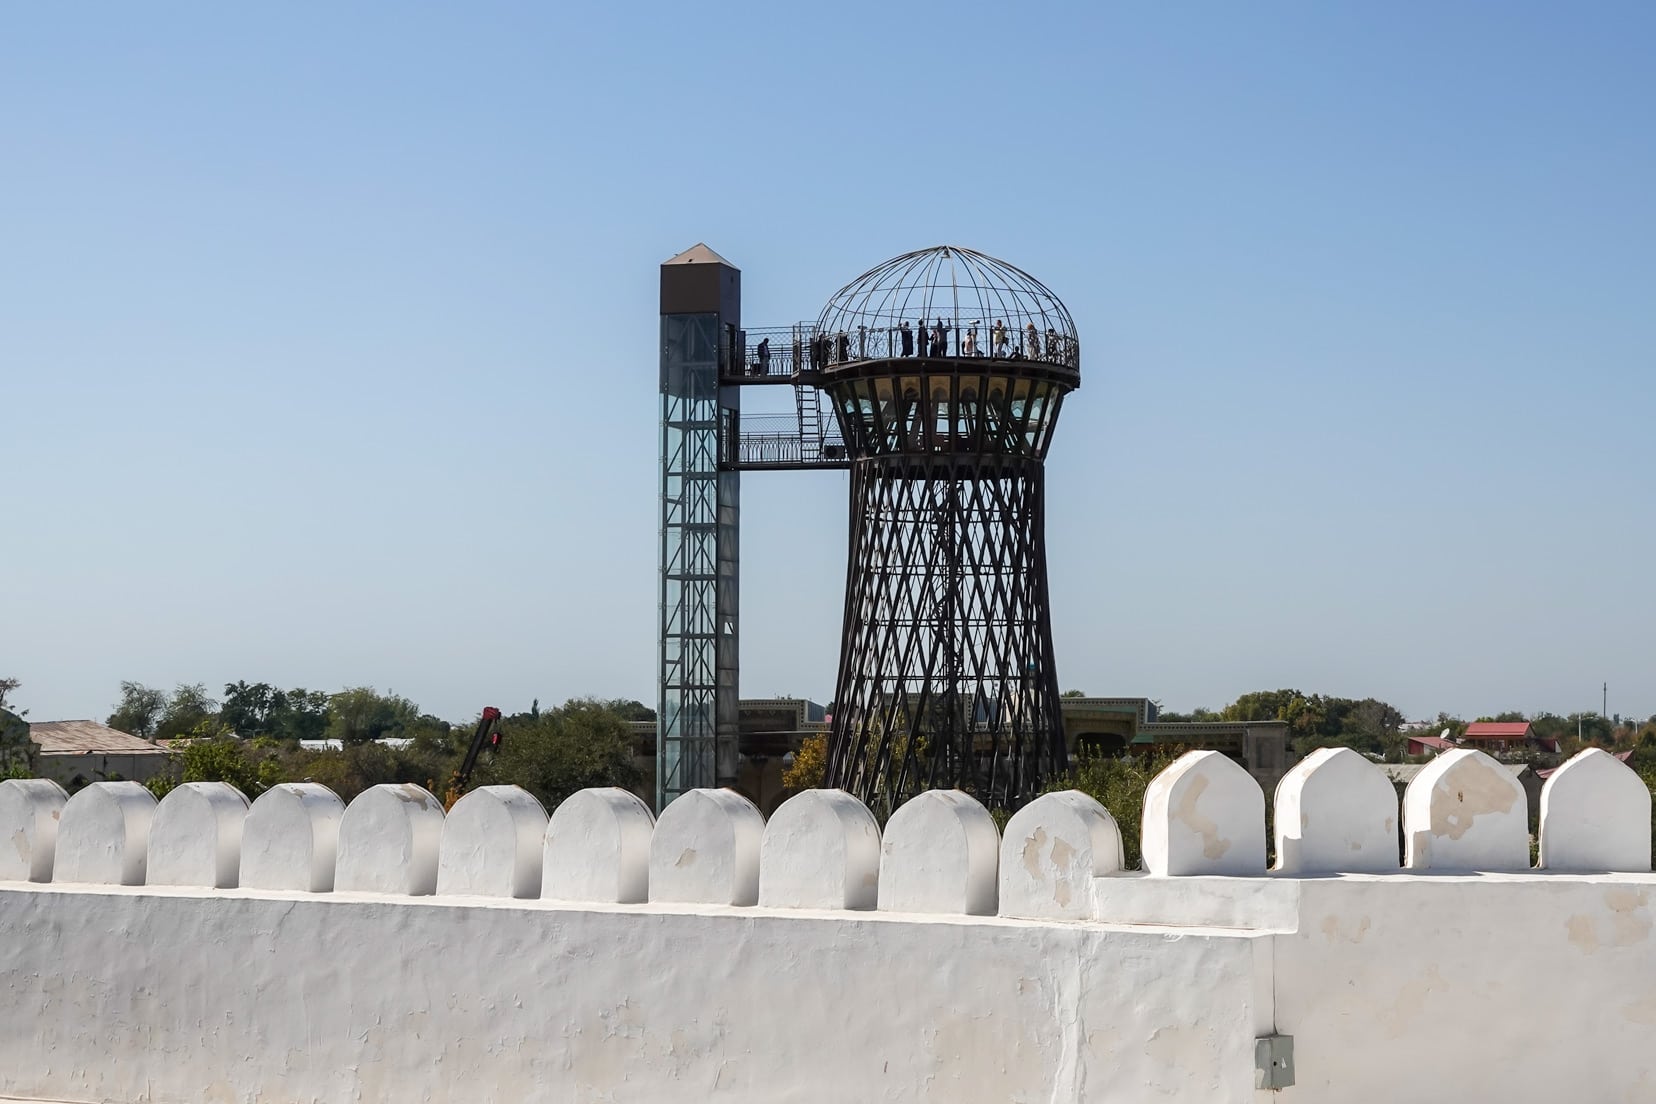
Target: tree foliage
(252, 710)
(18, 753)
(810, 765)
(583, 743)
(1318, 720)
(185, 711)
(139, 711)
(361, 715)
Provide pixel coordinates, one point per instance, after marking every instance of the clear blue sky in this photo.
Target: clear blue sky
(328, 343)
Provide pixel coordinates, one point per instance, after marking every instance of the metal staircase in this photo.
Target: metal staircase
(806, 438)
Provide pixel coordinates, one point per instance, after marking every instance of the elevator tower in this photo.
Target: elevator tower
(696, 715)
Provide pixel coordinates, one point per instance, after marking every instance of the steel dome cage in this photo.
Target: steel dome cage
(948, 301)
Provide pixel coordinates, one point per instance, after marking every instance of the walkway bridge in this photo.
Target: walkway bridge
(809, 436)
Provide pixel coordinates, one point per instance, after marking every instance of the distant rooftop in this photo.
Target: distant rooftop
(88, 738)
(1498, 730)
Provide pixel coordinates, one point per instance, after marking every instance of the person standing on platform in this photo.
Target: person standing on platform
(764, 357)
(908, 340)
(997, 338)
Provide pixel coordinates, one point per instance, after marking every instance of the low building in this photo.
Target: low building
(1506, 736)
(1110, 726)
(1427, 745)
(76, 753)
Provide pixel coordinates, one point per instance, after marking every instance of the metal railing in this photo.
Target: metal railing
(969, 339)
(776, 439)
(777, 352)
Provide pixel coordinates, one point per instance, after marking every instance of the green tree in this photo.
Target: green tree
(361, 715)
(581, 744)
(139, 711)
(1261, 705)
(9, 686)
(219, 759)
(18, 753)
(258, 709)
(302, 716)
(185, 710)
(625, 708)
(250, 709)
(810, 765)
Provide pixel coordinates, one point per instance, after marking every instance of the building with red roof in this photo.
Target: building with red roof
(1505, 736)
(1427, 745)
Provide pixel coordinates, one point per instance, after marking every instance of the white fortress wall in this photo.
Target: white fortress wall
(386, 951)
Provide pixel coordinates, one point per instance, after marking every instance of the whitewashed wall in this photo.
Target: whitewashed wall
(941, 962)
(254, 996)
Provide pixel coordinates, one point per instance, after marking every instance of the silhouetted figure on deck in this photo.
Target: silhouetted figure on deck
(764, 357)
(908, 339)
(938, 347)
(844, 348)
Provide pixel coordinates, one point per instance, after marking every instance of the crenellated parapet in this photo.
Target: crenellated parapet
(1336, 813)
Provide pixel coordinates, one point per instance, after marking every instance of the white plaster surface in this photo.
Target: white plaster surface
(103, 835)
(492, 844)
(389, 840)
(597, 848)
(29, 813)
(1052, 850)
(1465, 811)
(1471, 988)
(1204, 814)
(821, 849)
(1260, 903)
(1595, 815)
(1336, 811)
(705, 849)
(290, 839)
(243, 996)
(939, 855)
(195, 839)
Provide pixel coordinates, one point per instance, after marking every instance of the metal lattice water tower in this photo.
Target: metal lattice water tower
(946, 369)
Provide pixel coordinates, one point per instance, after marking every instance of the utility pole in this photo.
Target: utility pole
(1604, 704)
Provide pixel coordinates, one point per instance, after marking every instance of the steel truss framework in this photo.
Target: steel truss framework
(946, 676)
(699, 514)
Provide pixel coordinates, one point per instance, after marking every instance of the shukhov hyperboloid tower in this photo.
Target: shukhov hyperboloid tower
(946, 369)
